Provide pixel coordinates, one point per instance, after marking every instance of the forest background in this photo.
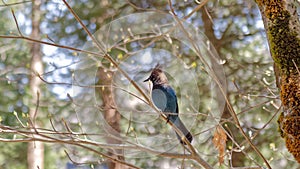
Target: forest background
(65, 104)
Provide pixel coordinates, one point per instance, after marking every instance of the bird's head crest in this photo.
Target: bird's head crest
(157, 76)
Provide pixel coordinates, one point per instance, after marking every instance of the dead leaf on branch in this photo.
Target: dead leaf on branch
(219, 140)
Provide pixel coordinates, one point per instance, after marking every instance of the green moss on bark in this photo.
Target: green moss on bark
(284, 44)
(285, 50)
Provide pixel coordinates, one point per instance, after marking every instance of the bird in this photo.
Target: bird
(164, 98)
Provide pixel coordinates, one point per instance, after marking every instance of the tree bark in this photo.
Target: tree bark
(283, 31)
(111, 115)
(35, 152)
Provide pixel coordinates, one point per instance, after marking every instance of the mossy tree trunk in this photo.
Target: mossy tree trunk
(283, 31)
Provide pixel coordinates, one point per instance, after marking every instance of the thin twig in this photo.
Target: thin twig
(16, 22)
(52, 125)
(265, 125)
(18, 119)
(202, 3)
(77, 163)
(36, 107)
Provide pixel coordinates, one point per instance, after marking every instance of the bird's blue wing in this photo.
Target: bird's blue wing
(164, 98)
(172, 105)
(159, 98)
(172, 99)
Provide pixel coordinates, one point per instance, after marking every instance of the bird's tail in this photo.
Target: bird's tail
(178, 123)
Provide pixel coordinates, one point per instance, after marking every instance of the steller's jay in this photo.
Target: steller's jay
(164, 98)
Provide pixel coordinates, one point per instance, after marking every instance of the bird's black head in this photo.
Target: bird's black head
(157, 76)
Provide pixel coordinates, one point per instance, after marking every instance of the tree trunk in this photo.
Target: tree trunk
(111, 115)
(35, 152)
(283, 31)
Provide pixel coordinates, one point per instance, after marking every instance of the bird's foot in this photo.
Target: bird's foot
(168, 119)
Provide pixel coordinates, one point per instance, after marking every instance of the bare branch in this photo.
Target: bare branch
(201, 4)
(16, 22)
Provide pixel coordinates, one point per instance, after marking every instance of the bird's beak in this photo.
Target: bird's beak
(146, 80)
